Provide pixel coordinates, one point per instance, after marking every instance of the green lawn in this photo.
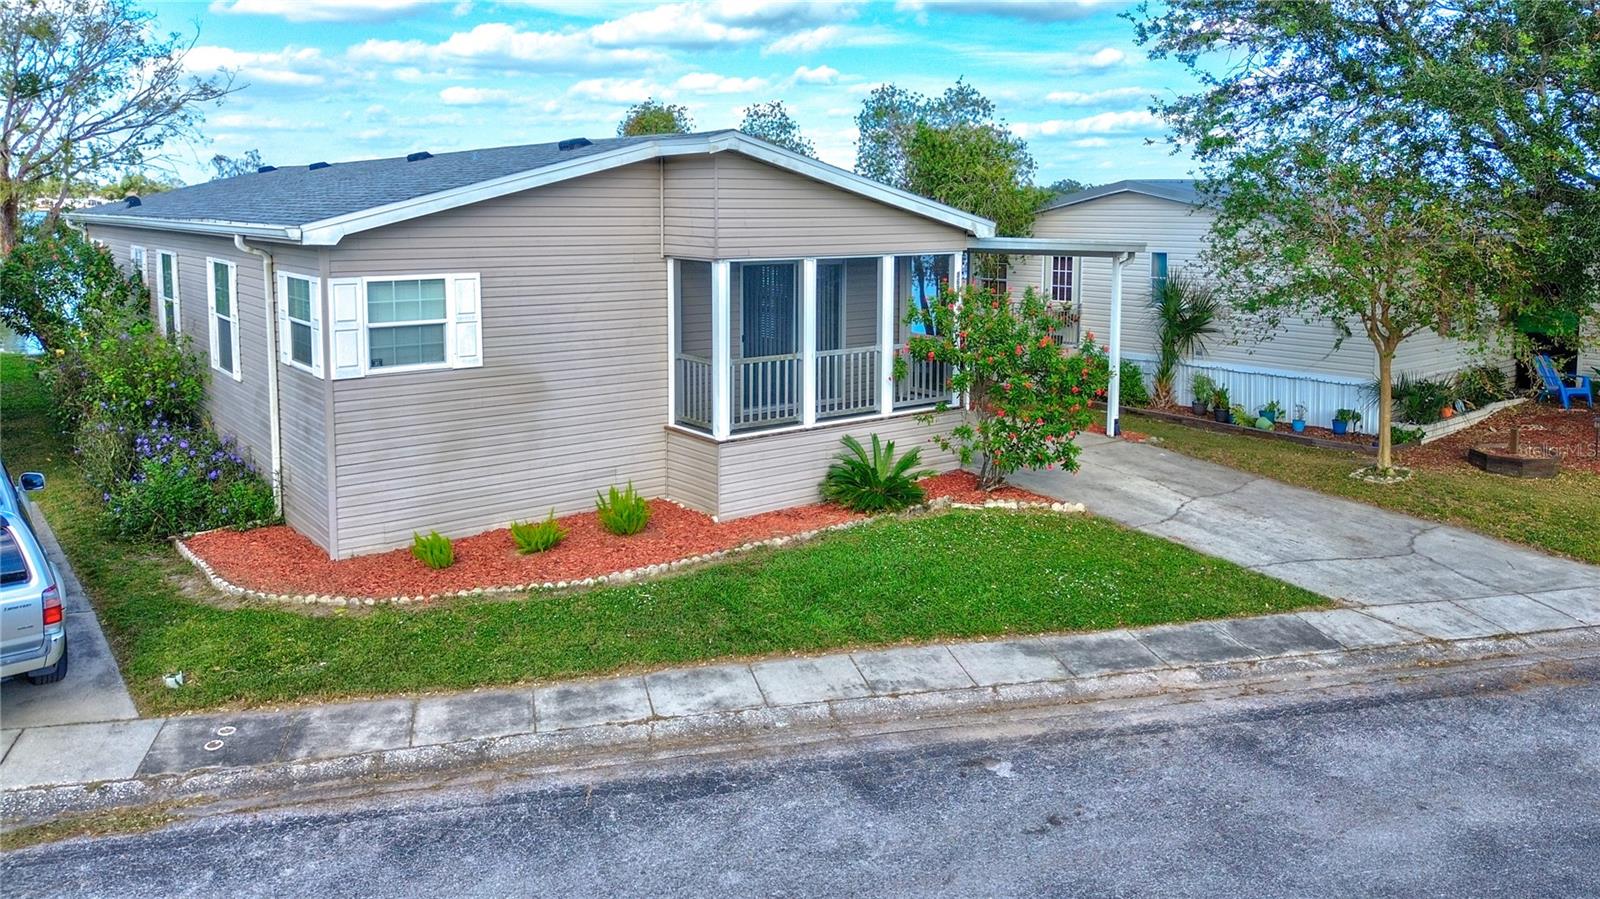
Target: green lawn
(963, 574)
(1559, 515)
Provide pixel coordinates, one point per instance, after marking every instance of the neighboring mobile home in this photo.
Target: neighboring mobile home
(1298, 365)
(460, 340)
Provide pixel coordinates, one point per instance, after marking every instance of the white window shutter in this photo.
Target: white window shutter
(316, 326)
(466, 321)
(281, 303)
(349, 316)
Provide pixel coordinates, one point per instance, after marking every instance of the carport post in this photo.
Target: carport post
(1114, 339)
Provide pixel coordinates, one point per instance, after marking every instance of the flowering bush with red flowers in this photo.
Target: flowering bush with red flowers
(1028, 399)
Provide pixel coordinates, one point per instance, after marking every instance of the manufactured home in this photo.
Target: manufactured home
(460, 340)
(1298, 365)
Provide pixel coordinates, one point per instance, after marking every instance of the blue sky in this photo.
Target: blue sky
(348, 79)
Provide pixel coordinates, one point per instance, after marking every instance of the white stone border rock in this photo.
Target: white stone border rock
(1460, 422)
(644, 572)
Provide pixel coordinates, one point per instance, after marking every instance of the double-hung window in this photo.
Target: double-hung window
(136, 261)
(406, 323)
(224, 314)
(1060, 290)
(300, 321)
(169, 310)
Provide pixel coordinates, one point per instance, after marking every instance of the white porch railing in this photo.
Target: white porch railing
(766, 391)
(847, 382)
(925, 384)
(694, 391)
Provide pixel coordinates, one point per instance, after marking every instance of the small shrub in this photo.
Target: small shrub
(435, 550)
(623, 512)
(1350, 416)
(1201, 387)
(1421, 400)
(1272, 410)
(1400, 436)
(876, 481)
(184, 481)
(536, 537)
(1481, 385)
(1133, 389)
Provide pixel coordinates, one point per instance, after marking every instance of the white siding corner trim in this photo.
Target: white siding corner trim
(463, 323)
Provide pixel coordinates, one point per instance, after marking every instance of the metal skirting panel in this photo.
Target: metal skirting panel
(1322, 395)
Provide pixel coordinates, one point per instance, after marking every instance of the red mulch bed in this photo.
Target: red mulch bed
(1543, 424)
(279, 560)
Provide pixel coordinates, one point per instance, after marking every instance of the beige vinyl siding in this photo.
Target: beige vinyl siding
(861, 303)
(239, 408)
(1589, 355)
(763, 473)
(692, 470)
(571, 397)
(755, 211)
(1427, 355)
(1180, 231)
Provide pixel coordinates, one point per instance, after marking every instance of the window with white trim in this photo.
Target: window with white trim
(136, 261)
(1158, 273)
(1061, 297)
(221, 285)
(168, 309)
(300, 321)
(406, 323)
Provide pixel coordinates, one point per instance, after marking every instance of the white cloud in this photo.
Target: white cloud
(709, 83)
(1101, 123)
(1104, 58)
(818, 75)
(1027, 10)
(320, 10)
(617, 90)
(1092, 98)
(473, 96)
(807, 41)
(499, 44)
(1089, 143)
(241, 120)
(674, 25)
(291, 66)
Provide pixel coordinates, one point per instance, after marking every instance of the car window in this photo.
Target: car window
(13, 568)
(8, 492)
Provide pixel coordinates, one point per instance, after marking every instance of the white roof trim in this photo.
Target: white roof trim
(1050, 246)
(330, 231)
(191, 226)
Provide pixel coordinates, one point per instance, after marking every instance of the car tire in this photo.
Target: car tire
(53, 673)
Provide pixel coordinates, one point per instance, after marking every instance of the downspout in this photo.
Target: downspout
(269, 283)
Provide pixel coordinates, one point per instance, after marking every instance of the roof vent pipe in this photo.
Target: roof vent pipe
(573, 143)
(317, 165)
(265, 169)
(418, 156)
(131, 200)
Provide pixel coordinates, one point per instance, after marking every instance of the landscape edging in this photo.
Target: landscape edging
(643, 572)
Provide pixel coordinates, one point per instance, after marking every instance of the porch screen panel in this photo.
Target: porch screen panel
(917, 288)
(847, 337)
(692, 345)
(770, 308)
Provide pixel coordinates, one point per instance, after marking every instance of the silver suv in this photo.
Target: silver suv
(33, 633)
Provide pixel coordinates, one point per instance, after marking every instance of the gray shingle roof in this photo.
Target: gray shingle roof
(296, 195)
(1178, 190)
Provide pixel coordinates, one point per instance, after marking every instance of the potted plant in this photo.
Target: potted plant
(1344, 419)
(1202, 387)
(1299, 421)
(1219, 404)
(1272, 411)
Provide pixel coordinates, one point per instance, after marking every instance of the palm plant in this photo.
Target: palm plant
(1186, 313)
(876, 481)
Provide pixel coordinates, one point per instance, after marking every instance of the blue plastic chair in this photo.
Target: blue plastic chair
(1556, 386)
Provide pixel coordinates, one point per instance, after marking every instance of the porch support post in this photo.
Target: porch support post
(958, 280)
(672, 340)
(721, 353)
(1114, 388)
(886, 327)
(808, 342)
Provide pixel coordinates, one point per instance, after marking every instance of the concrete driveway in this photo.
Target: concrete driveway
(1342, 549)
(92, 690)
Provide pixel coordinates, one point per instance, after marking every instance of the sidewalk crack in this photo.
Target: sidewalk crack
(1183, 506)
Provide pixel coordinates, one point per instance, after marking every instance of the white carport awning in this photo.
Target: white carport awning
(1118, 252)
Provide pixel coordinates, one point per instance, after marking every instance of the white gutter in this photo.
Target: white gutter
(224, 229)
(269, 281)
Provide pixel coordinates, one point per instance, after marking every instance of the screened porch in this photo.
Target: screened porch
(782, 343)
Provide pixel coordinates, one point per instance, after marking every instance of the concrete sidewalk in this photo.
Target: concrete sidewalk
(1342, 549)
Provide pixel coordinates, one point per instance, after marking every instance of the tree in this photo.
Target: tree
(228, 167)
(1066, 186)
(772, 123)
(1186, 314)
(1348, 231)
(1496, 102)
(977, 168)
(1029, 401)
(137, 184)
(888, 121)
(57, 287)
(652, 117)
(89, 90)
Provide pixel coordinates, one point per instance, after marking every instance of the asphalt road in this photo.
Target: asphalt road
(1438, 784)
